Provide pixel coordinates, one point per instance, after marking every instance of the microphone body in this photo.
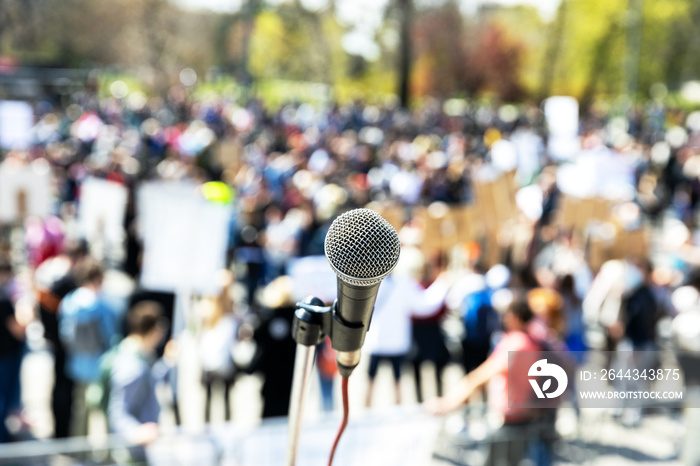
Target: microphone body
(362, 249)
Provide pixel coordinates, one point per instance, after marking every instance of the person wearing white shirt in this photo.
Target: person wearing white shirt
(389, 334)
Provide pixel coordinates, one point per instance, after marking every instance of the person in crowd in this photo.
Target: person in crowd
(479, 317)
(400, 297)
(281, 241)
(88, 329)
(640, 313)
(12, 336)
(508, 396)
(54, 279)
(327, 372)
(547, 306)
(248, 251)
(427, 336)
(134, 373)
(603, 305)
(216, 342)
(573, 313)
(44, 238)
(429, 346)
(276, 346)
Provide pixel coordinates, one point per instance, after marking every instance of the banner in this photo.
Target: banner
(184, 237)
(25, 190)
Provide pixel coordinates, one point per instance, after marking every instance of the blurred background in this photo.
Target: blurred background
(169, 170)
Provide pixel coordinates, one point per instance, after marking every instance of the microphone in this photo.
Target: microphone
(362, 249)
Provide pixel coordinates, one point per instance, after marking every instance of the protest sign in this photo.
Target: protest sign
(25, 190)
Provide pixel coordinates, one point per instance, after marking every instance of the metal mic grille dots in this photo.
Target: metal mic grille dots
(362, 247)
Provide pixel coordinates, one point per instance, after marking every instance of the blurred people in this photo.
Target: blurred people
(429, 346)
(327, 372)
(44, 238)
(478, 314)
(318, 161)
(573, 312)
(281, 241)
(277, 348)
(133, 407)
(640, 313)
(88, 329)
(389, 339)
(54, 279)
(216, 342)
(508, 398)
(602, 306)
(641, 310)
(12, 336)
(547, 306)
(428, 339)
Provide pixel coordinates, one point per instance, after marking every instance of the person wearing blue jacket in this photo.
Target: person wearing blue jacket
(88, 329)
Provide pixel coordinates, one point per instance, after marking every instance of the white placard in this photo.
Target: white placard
(102, 209)
(529, 148)
(504, 155)
(313, 276)
(184, 238)
(529, 201)
(16, 123)
(25, 187)
(598, 172)
(561, 113)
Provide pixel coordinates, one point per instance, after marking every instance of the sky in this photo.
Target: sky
(353, 8)
(365, 16)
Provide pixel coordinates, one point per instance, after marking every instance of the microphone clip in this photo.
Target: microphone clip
(313, 321)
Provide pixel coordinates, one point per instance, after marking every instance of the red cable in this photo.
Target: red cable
(346, 412)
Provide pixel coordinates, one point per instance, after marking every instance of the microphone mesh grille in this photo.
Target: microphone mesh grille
(362, 247)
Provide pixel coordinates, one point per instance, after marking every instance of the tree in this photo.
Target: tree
(605, 49)
(296, 44)
(452, 59)
(440, 52)
(406, 10)
(495, 64)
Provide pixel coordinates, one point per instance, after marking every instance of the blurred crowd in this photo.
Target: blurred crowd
(290, 173)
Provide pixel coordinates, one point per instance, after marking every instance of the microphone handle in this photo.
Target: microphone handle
(356, 303)
(352, 317)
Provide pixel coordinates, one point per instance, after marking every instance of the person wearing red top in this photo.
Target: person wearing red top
(509, 443)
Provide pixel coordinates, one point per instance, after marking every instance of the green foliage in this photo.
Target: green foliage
(522, 24)
(667, 32)
(276, 92)
(604, 53)
(593, 46)
(107, 78)
(291, 43)
(592, 49)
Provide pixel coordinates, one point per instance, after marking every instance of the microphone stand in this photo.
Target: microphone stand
(303, 363)
(311, 318)
(312, 321)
